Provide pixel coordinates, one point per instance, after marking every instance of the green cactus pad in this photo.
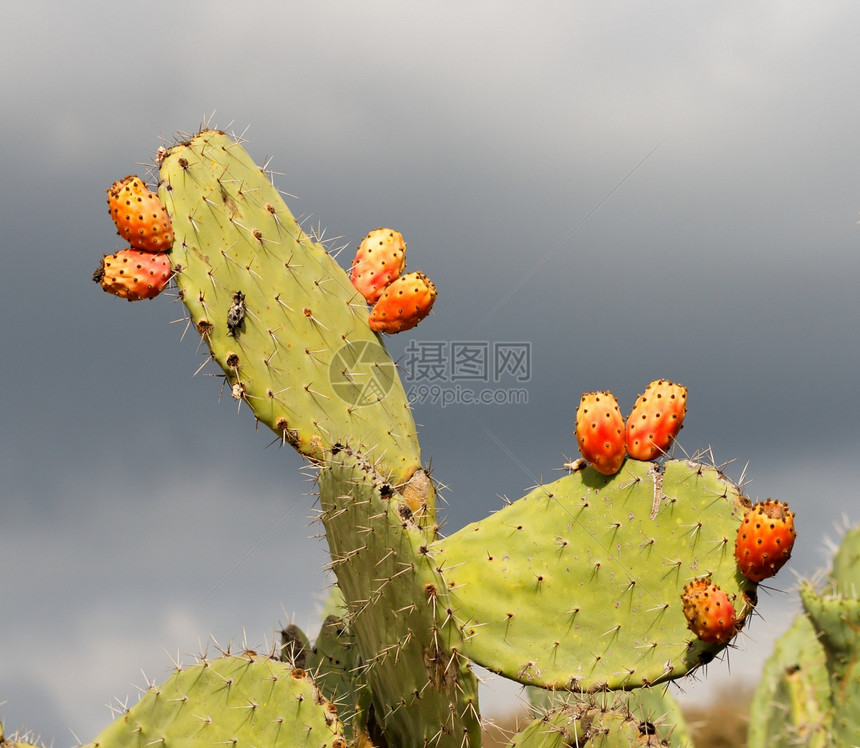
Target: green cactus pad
(656, 708)
(578, 585)
(837, 625)
(845, 574)
(279, 315)
(423, 690)
(792, 704)
(334, 662)
(245, 700)
(15, 741)
(584, 725)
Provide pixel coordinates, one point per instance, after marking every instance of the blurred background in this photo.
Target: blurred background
(623, 191)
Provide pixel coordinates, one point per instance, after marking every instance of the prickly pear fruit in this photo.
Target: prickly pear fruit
(139, 216)
(600, 431)
(765, 539)
(379, 260)
(403, 303)
(709, 612)
(133, 274)
(656, 419)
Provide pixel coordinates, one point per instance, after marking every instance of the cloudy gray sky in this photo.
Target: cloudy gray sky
(636, 191)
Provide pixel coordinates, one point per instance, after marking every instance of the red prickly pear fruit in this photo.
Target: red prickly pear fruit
(379, 260)
(139, 216)
(403, 304)
(765, 539)
(600, 431)
(656, 419)
(709, 612)
(133, 274)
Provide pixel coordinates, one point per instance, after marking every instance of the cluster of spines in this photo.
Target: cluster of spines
(586, 723)
(655, 710)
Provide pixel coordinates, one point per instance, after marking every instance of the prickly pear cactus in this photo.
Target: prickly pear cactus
(810, 690)
(792, 702)
(836, 620)
(245, 700)
(576, 586)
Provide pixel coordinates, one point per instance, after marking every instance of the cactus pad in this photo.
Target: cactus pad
(792, 702)
(334, 662)
(423, 690)
(245, 700)
(587, 725)
(278, 313)
(578, 585)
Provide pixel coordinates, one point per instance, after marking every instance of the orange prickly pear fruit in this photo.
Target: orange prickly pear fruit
(656, 419)
(134, 274)
(765, 539)
(403, 304)
(709, 612)
(379, 260)
(600, 431)
(139, 216)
